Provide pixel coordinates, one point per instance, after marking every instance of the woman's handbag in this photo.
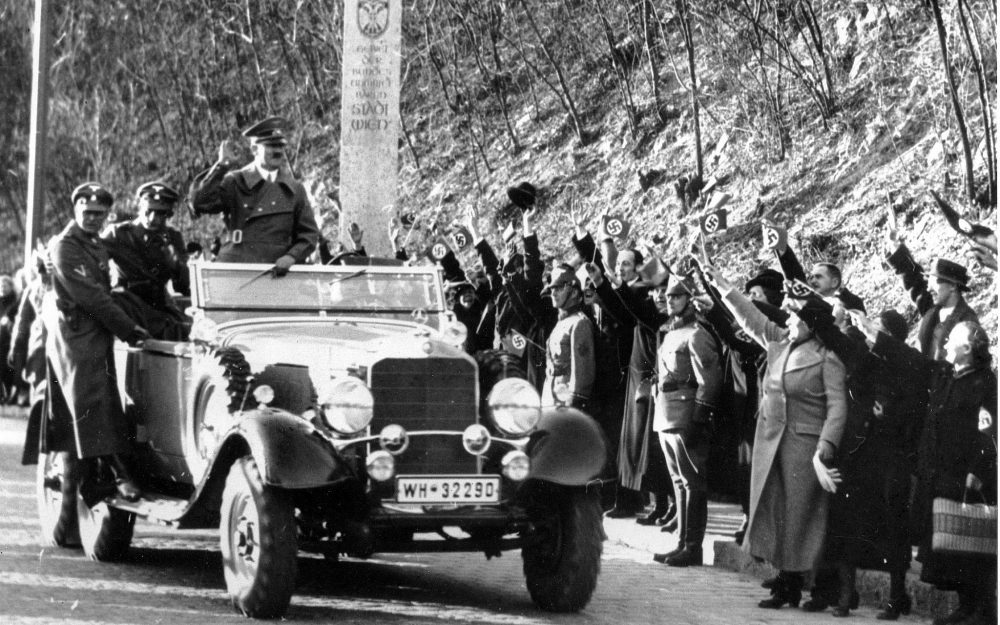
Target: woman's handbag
(962, 528)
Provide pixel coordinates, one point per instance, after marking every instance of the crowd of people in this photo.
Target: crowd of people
(844, 435)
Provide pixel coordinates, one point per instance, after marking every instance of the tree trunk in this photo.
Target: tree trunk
(963, 131)
(684, 15)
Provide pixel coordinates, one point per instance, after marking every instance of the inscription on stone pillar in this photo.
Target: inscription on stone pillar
(369, 119)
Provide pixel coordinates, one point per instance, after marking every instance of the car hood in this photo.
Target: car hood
(333, 345)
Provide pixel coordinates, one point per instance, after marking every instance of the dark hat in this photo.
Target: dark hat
(816, 313)
(160, 196)
(768, 279)
(561, 275)
(92, 192)
(894, 323)
(952, 272)
(850, 300)
(270, 131)
(523, 195)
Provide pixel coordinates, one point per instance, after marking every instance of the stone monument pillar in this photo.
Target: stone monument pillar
(369, 120)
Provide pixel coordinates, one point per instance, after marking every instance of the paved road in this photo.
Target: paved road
(175, 577)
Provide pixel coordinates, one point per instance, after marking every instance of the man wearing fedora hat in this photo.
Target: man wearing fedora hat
(146, 255)
(940, 310)
(266, 210)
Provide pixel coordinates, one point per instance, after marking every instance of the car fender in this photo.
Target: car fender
(566, 448)
(289, 451)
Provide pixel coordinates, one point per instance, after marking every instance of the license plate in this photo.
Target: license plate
(447, 489)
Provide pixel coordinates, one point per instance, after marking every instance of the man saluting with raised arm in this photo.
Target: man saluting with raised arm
(266, 210)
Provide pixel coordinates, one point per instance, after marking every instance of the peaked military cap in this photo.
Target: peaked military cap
(561, 276)
(161, 196)
(271, 131)
(92, 192)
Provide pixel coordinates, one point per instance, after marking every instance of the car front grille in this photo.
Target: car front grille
(427, 394)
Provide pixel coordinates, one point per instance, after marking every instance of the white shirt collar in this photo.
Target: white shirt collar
(270, 176)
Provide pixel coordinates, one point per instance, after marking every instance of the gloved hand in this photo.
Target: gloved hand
(137, 335)
(282, 265)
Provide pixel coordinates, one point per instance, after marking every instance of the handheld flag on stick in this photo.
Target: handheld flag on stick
(616, 225)
(509, 233)
(960, 224)
(514, 343)
(462, 237)
(437, 250)
(775, 237)
(714, 221)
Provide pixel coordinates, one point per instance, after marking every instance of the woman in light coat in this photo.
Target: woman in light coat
(803, 411)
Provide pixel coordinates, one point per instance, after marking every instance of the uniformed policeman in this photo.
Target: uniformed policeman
(266, 211)
(570, 366)
(84, 411)
(147, 254)
(689, 378)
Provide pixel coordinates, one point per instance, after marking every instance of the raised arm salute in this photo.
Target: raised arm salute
(266, 210)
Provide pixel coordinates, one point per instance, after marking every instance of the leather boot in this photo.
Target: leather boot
(787, 589)
(682, 512)
(125, 484)
(627, 503)
(845, 599)
(694, 531)
(92, 488)
(663, 507)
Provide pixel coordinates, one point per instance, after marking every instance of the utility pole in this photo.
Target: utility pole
(39, 127)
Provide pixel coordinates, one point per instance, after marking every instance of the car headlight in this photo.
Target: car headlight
(347, 405)
(454, 333)
(515, 406)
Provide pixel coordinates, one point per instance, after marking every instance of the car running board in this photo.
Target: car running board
(161, 509)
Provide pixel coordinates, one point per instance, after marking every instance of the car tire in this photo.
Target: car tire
(105, 532)
(562, 557)
(258, 539)
(56, 494)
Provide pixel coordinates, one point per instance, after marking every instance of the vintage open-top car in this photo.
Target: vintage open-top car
(333, 411)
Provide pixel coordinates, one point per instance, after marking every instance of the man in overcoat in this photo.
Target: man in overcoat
(147, 254)
(941, 310)
(84, 409)
(266, 210)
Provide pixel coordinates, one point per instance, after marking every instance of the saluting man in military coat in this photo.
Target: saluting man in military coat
(83, 407)
(266, 211)
(147, 254)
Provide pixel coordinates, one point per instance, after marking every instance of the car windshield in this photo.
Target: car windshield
(341, 289)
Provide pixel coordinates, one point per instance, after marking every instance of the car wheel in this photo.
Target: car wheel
(56, 494)
(105, 532)
(562, 557)
(258, 540)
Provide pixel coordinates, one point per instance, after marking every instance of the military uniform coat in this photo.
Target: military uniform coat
(264, 220)
(803, 402)
(84, 410)
(570, 359)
